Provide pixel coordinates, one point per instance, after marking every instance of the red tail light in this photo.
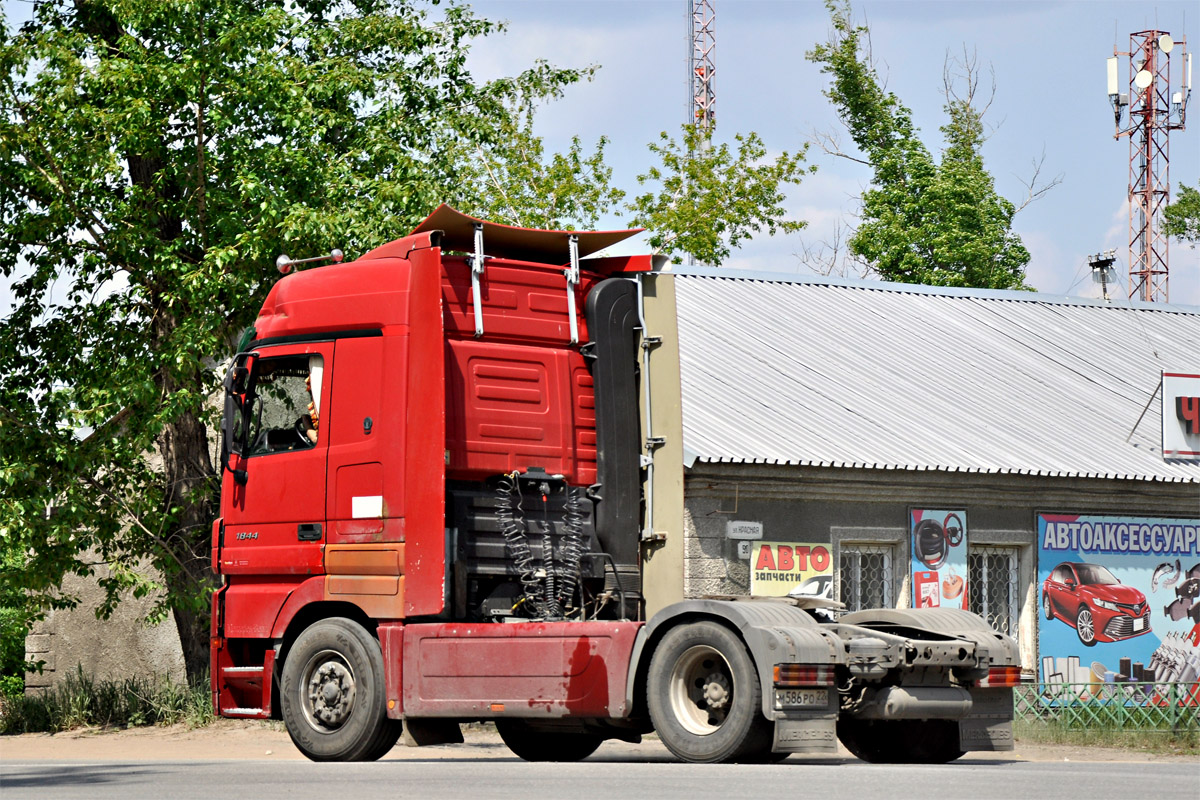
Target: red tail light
(1002, 676)
(803, 675)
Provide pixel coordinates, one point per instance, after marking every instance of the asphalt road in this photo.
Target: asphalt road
(506, 777)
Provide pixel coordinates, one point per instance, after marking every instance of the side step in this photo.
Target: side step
(245, 692)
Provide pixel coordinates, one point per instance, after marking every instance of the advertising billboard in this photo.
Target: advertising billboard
(798, 569)
(939, 558)
(1181, 415)
(1119, 599)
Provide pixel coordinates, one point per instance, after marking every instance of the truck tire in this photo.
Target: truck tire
(532, 744)
(704, 696)
(904, 741)
(332, 694)
(389, 734)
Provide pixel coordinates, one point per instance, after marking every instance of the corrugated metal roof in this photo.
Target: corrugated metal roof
(888, 376)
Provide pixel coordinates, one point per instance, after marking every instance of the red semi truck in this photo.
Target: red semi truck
(448, 495)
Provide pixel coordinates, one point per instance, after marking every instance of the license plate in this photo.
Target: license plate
(801, 698)
(1139, 623)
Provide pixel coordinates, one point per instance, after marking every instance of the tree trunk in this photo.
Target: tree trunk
(189, 484)
(193, 637)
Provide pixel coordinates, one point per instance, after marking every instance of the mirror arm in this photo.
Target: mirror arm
(239, 475)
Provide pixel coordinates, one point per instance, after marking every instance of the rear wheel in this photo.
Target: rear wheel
(903, 741)
(704, 696)
(532, 744)
(332, 694)
(1046, 607)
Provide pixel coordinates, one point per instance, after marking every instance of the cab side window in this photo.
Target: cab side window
(285, 414)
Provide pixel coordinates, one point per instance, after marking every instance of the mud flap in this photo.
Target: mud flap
(811, 735)
(989, 725)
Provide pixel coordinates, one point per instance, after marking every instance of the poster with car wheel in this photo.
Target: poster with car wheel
(1119, 602)
(939, 558)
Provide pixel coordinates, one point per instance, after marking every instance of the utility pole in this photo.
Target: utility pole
(701, 67)
(1153, 112)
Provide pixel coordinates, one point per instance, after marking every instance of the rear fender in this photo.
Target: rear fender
(774, 633)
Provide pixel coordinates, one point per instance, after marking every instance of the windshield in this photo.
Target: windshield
(285, 414)
(1095, 575)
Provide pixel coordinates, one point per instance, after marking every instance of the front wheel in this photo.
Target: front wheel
(332, 694)
(704, 696)
(532, 744)
(1046, 607)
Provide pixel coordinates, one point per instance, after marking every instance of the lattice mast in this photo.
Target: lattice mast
(701, 67)
(1153, 112)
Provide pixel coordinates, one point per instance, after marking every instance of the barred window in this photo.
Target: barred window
(992, 586)
(865, 576)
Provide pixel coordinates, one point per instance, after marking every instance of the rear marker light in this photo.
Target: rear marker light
(803, 675)
(1002, 676)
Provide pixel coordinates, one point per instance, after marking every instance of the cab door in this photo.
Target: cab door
(275, 518)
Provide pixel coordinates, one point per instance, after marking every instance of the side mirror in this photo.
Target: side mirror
(235, 422)
(238, 377)
(233, 425)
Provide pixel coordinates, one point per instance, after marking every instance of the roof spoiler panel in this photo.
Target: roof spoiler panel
(517, 244)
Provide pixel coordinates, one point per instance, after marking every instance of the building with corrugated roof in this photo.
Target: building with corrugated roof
(941, 444)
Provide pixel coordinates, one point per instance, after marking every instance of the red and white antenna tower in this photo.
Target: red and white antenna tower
(1153, 113)
(701, 64)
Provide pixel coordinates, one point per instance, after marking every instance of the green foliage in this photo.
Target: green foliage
(922, 222)
(1183, 216)
(14, 623)
(80, 701)
(515, 182)
(711, 199)
(155, 156)
(707, 198)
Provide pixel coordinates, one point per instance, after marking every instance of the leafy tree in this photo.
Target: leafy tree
(516, 182)
(155, 156)
(1183, 216)
(14, 623)
(705, 199)
(921, 221)
(709, 198)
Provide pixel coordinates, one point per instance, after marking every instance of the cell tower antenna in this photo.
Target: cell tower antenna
(701, 73)
(1153, 112)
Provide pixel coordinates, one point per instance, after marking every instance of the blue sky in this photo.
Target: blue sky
(1051, 98)
(1049, 63)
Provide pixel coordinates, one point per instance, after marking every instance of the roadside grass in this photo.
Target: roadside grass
(80, 701)
(1185, 742)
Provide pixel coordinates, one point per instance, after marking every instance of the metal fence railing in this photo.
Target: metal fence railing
(1163, 707)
